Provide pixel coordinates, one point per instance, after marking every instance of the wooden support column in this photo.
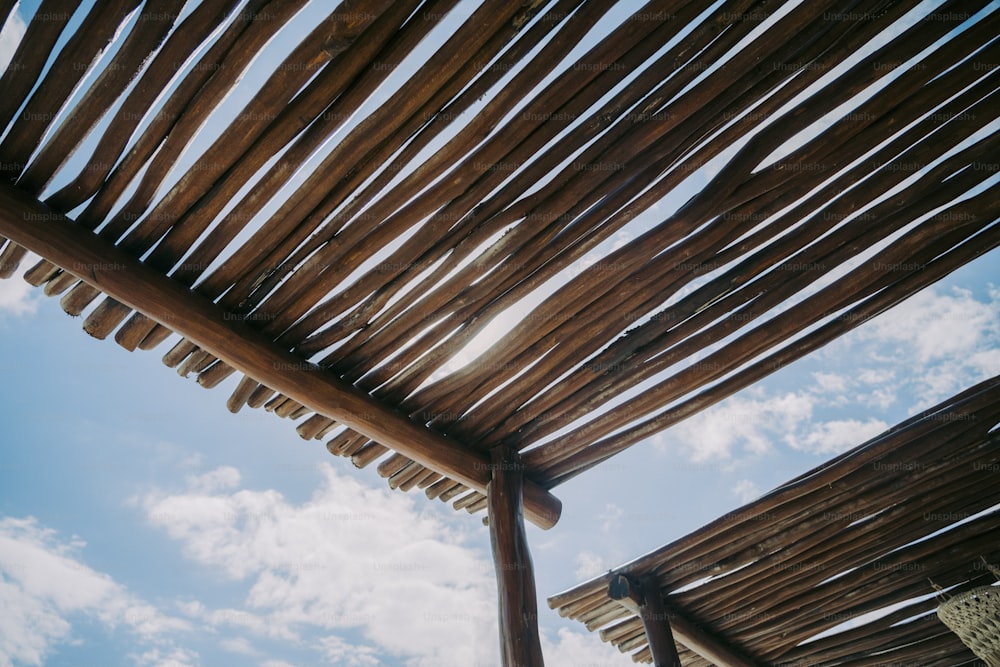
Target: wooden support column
(78, 251)
(714, 649)
(519, 641)
(649, 604)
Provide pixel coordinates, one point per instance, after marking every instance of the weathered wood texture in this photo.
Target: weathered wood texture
(648, 604)
(29, 223)
(659, 625)
(520, 644)
(620, 256)
(863, 533)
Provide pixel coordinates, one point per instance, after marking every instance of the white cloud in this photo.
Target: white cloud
(351, 557)
(876, 376)
(834, 437)
(240, 645)
(10, 37)
(746, 490)
(928, 348)
(880, 398)
(748, 424)
(15, 294)
(941, 342)
(574, 649)
(339, 652)
(610, 517)
(28, 627)
(831, 383)
(244, 621)
(175, 657)
(588, 564)
(622, 237)
(873, 388)
(17, 297)
(937, 326)
(45, 586)
(985, 362)
(220, 479)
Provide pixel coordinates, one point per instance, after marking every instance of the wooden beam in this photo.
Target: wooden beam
(31, 224)
(632, 596)
(519, 641)
(648, 603)
(657, 626)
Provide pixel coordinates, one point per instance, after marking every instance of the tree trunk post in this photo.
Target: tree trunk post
(519, 641)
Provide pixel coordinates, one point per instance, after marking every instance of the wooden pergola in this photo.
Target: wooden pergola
(334, 246)
(862, 543)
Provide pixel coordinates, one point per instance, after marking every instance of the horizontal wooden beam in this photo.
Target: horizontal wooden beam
(31, 224)
(688, 633)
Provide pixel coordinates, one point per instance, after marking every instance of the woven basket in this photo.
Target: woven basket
(975, 617)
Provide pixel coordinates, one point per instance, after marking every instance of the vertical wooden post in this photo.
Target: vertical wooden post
(645, 600)
(519, 642)
(657, 626)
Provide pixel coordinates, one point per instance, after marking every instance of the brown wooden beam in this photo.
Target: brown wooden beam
(650, 604)
(519, 641)
(657, 626)
(31, 224)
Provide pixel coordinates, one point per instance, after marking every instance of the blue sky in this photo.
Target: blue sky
(143, 524)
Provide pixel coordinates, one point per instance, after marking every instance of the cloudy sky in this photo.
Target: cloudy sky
(143, 524)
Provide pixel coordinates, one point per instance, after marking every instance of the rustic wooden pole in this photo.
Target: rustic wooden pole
(657, 625)
(647, 602)
(34, 226)
(519, 643)
(649, 605)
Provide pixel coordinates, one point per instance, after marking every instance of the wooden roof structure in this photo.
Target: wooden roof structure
(661, 205)
(830, 549)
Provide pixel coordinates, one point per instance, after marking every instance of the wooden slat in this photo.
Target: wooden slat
(812, 552)
(179, 46)
(926, 426)
(141, 43)
(183, 113)
(10, 259)
(39, 37)
(432, 175)
(171, 305)
(94, 34)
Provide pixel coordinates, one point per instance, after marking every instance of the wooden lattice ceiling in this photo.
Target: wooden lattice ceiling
(783, 172)
(660, 205)
(860, 543)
